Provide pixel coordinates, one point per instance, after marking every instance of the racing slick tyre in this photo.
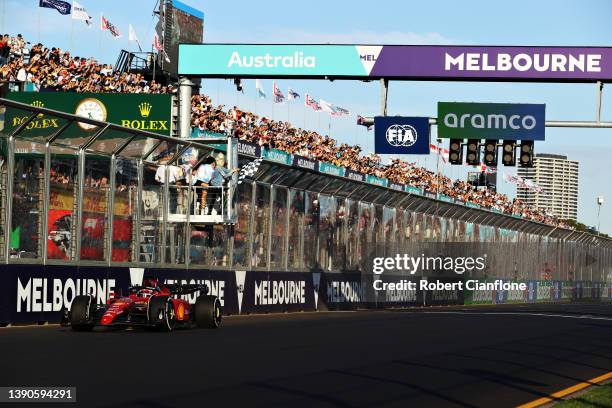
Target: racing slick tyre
(161, 313)
(82, 313)
(208, 312)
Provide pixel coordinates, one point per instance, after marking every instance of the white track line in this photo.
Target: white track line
(588, 317)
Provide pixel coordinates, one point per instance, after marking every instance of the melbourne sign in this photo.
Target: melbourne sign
(556, 64)
(459, 120)
(401, 135)
(137, 111)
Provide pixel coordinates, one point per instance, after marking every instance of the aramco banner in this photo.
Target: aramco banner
(510, 121)
(137, 111)
(555, 64)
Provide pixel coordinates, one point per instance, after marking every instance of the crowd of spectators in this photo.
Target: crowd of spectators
(56, 69)
(281, 135)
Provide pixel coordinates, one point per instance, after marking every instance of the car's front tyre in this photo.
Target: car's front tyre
(82, 313)
(160, 313)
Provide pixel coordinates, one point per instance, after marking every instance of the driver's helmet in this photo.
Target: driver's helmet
(150, 282)
(149, 287)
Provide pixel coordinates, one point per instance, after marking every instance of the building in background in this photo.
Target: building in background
(558, 178)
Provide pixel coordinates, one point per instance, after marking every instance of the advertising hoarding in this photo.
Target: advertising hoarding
(423, 62)
(138, 111)
(510, 121)
(401, 135)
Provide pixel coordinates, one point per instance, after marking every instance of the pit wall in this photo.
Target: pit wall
(36, 294)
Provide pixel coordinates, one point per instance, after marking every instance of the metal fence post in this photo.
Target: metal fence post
(138, 206)
(79, 204)
(110, 210)
(10, 180)
(46, 198)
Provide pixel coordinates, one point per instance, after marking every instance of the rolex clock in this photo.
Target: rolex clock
(90, 108)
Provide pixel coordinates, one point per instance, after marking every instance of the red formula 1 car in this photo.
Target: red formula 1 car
(151, 305)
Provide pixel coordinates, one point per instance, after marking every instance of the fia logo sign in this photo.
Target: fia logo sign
(401, 135)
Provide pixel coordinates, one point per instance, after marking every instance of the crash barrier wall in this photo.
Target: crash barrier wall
(36, 293)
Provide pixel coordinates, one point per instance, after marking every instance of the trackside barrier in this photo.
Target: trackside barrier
(543, 291)
(35, 293)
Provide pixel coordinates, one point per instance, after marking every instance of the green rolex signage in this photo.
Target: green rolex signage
(137, 111)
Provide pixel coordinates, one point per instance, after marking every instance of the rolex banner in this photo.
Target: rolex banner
(144, 112)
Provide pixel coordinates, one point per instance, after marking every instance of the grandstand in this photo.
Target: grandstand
(59, 71)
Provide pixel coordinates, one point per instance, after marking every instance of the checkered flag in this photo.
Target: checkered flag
(249, 170)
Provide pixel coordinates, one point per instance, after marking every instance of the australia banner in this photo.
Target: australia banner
(452, 62)
(62, 7)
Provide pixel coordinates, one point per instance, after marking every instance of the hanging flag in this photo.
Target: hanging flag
(485, 169)
(443, 153)
(361, 121)
(133, 37)
(310, 101)
(61, 7)
(291, 94)
(338, 111)
(332, 109)
(156, 43)
(79, 13)
(260, 91)
(326, 106)
(107, 25)
(278, 94)
(521, 182)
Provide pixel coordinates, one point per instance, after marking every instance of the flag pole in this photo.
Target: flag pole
(438, 171)
(71, 34)
(38, 24)
(256, 98)
(100, 35)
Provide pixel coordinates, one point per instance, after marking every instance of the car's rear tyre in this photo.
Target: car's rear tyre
(208, 312)
(161, 313)
(82, 313)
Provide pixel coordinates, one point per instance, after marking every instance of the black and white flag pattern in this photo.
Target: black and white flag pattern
(249, 170)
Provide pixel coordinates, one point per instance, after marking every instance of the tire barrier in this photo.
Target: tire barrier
(36, 294)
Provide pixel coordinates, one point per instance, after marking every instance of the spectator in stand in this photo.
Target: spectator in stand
(5, 49)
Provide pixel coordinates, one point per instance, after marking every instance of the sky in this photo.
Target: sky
(466, 22)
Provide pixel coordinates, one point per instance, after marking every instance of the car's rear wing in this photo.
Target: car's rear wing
(187, 289)
(178, 289)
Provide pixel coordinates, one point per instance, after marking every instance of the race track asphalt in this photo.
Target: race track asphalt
(436, 357)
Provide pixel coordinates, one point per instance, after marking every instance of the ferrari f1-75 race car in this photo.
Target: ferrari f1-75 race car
(152, 305)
